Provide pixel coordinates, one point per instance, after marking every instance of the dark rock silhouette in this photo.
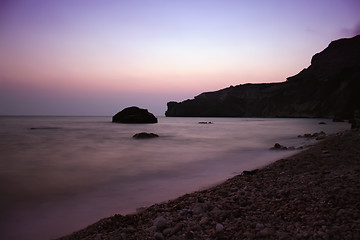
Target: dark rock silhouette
(249, 173)
(278, 146)
(328, 88)
(145, 135)
(134, 115)
(204, 122)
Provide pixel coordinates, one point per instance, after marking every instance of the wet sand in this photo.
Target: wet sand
(312, 195)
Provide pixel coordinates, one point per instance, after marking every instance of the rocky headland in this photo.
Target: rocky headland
(328, 88)
(311, 195)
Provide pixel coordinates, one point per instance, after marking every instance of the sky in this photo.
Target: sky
(96, 57)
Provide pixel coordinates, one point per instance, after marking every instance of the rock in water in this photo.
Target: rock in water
(134, 115)
(278, 146)
(143, 135)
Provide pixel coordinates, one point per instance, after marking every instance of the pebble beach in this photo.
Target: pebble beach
(314, 194)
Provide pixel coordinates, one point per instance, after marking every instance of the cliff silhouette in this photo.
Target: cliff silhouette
(328, 88)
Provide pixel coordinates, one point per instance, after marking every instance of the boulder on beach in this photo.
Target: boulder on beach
(134, 115)
(144, 135)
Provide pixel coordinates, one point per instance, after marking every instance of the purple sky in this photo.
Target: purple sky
(87, 57)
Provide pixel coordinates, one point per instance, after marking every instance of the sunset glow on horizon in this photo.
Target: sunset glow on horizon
(96, 57)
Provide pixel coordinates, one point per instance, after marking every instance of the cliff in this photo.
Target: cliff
(329, 87)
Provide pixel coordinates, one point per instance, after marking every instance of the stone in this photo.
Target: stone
(134, 115)
(282, 235)
(160, 222)
(219, 227)
(198, 209)
(167, 231)
(123, 236)
(250, 172)
(278, 146)
(145, 135)
(204, 220)
(259, 226)
(159, 236)
(177, 228)
(249, 235)
(265, 232)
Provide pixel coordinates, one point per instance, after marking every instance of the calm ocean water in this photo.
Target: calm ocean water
(60, 174)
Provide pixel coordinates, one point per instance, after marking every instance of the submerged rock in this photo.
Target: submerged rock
(317, 135)
(134, 115)
(278, 146)
(143, 135)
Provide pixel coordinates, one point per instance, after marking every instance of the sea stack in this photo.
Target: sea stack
(134, 115)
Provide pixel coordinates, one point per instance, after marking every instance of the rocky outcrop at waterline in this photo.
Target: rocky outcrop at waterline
(134, 115)
(329, 87)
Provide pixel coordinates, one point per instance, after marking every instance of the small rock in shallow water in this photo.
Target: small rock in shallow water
(278, 146)
(144, 135)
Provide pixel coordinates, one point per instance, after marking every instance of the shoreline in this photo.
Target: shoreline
(312, 194)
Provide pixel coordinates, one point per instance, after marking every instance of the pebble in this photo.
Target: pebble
(265, 232)
(198, 209)
(177, 228)
(160, 222)
(167, 231)
(158, 236)
(219, 227)
(259, 226)
(204, 220)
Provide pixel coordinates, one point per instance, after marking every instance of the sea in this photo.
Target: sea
(61, 174)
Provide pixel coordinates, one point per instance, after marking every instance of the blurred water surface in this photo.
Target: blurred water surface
(60, 174)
